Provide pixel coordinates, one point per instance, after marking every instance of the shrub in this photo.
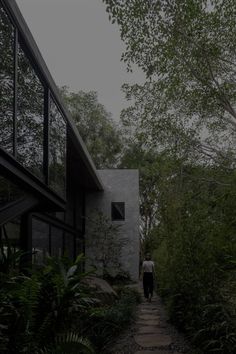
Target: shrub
(196, 265)
(52, 311)
(36, 309)
(107, 322)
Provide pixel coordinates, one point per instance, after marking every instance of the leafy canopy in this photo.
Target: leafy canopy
(187, 50)
(95, 125)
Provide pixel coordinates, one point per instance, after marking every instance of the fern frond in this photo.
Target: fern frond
(68, 343)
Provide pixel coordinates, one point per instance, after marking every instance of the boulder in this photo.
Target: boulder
(102, 289)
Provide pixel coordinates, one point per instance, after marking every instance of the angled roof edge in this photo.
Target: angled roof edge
(37, 57)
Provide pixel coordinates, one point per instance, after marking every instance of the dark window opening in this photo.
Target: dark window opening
(117, 211)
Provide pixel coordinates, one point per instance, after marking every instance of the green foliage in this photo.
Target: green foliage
(187, 49)
(185, 112)
(68, 343)
(96, 127)
(109, 321)
(53, 311)
(35, 309)
(187, 104)
(196, 255)
(148, 163)
(11, 260)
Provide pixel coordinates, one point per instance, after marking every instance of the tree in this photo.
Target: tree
(99, 132)
(148, 163)
(187, 50)
(184, 109)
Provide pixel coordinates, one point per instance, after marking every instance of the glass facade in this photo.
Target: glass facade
(10, 240)
(12, 234)
(69, 245)
(40, 241)
(33, 130)
(48, 239)
(56, 242)
(7, 81)
(57, 149)
(30, 116)
(8, 192)
(34, 135)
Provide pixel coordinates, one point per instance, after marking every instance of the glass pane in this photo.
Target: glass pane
(40, 241)
(57, 150)
(12, 233)
(79, 218)
(11, 239)
(69, 245)
(8, 192)
(56, 242)
(30, 116)
(7, 82)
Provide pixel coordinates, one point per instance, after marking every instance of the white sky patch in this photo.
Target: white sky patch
(82, 49)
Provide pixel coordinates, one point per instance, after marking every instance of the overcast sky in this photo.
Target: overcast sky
(82, 49)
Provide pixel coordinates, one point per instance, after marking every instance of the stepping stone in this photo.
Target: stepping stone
(150, 330)
(148, 322)
(148, 317)
(148, 312)
(157, 351)
(153, 340)
(153, 352)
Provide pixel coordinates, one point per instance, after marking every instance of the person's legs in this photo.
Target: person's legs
(150, 287)
(145, 286)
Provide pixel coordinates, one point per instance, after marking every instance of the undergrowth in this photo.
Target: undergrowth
(195, 260)
(52, 310)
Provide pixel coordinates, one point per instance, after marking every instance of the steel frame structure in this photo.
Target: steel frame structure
(39, 197)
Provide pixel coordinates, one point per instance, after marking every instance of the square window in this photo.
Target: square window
(117, 211)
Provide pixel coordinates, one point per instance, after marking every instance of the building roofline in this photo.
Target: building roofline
(27, 36)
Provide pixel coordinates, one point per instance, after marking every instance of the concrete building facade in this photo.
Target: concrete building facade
(119, 202)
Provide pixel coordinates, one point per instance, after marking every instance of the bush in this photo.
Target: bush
(36, 309)
(106, 322)
(196, 265)
(52, 311)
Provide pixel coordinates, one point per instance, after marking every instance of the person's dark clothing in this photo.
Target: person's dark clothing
(148, 284)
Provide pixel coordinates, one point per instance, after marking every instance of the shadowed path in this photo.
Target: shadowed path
(151, 333)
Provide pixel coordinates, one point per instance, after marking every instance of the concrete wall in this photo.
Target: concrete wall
(119, 186)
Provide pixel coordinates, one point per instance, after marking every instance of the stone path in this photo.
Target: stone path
(151, 333)
(152, 330)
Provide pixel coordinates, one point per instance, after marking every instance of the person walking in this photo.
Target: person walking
(147, 274)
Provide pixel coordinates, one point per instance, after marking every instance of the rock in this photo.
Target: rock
(103, 290)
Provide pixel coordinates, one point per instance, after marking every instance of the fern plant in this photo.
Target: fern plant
(68, 343)
(35, 308)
